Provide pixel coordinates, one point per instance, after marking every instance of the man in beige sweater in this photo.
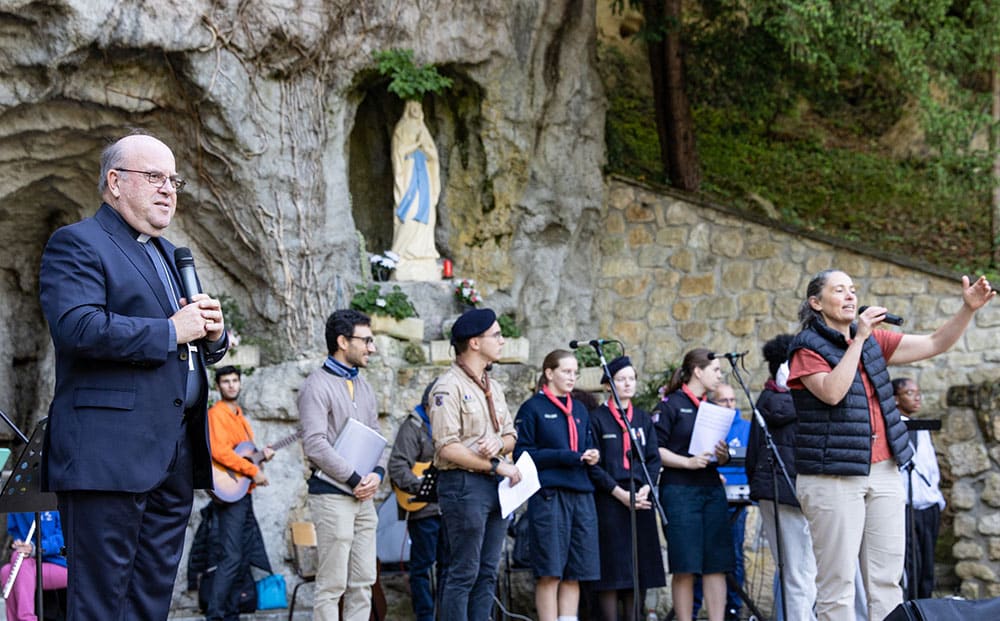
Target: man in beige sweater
(345, 520)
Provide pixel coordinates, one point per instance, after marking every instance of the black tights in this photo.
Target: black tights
(607, 601)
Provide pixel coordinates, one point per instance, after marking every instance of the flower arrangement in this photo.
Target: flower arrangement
(383, 265)
(395, 304)
(466, 293)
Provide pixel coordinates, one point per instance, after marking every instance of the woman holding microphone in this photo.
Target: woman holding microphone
(850, 440)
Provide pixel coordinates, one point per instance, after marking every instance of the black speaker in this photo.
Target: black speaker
(946, 610)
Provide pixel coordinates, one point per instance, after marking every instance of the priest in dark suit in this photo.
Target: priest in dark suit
(127, 440)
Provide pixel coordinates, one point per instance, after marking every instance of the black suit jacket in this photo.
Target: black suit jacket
(120, 383)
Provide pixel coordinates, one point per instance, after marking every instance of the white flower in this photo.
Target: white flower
(380, 302)
(392, 256)
(376, 258)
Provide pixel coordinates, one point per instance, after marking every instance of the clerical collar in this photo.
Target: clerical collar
(142, 238)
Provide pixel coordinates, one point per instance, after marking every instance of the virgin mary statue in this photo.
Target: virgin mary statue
(416, 188)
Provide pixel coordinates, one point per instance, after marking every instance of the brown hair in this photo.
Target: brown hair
(552, 361)
(695, 359)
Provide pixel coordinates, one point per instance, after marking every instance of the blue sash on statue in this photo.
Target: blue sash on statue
(420, 186)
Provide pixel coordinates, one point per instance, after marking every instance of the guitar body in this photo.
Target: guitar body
(403, 497)
(229, 486)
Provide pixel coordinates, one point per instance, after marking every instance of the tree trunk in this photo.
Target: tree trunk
(674, 123)
(995, 144)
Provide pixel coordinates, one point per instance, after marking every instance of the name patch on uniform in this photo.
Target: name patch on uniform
(686, 411)
(609, 436)
(550, 416)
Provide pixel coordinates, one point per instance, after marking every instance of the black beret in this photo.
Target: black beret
(615, 366)
(472, 323)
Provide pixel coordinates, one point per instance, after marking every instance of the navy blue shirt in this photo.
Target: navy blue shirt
(673, 432)
(543, 432)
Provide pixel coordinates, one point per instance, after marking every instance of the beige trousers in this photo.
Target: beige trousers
(852, 518)
(345, 545)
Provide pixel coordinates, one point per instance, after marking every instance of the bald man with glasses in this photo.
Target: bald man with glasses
(127, 438)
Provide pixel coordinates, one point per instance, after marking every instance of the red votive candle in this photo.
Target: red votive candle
(446, 269)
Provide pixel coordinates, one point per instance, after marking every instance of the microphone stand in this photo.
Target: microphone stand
(773, 459)
(634, 457)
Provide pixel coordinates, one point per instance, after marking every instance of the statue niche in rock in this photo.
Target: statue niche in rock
(416, 189)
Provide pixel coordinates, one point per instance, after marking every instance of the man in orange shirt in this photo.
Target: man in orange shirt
(228, 427)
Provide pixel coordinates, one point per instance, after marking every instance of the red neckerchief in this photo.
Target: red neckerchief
(626, 437)
(773, 385)
(484, 385)
(574, 442)
(690, 395)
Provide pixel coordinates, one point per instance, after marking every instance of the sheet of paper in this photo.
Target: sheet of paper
(711, 424)
(513, 497)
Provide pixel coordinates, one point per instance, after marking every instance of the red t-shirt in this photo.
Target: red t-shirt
(807, 362)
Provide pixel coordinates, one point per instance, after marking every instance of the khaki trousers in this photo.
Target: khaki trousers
(852, 518)
(345, 545)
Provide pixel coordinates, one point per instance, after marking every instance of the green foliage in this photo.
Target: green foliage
(923, 210)
(508, 327)
(586, 356)
(791, 97)
(651, 394)
(409, 81)
(395, 304)
(631, 138)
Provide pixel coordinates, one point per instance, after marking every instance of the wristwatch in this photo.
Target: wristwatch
(494, 464)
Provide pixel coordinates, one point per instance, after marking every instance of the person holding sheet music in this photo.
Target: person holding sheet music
(21, 600)
(611, 475)
(691, 491)
(555, 431)
(345, 520)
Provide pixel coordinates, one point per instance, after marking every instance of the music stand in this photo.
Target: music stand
(22, 492)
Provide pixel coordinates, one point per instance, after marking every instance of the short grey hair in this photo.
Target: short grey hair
(113, 157)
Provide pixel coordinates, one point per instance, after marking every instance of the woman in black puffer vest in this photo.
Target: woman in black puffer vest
(850, 440)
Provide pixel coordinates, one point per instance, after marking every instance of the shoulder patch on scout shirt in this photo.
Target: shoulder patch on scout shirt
(439, 400)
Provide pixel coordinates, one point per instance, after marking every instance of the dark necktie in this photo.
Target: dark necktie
(195, 371)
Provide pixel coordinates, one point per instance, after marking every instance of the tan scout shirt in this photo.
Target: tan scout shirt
(458, 413)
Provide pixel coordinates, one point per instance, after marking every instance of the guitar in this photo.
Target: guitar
(407, 500)
(229, 486)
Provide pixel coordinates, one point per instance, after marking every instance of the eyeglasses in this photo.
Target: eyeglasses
(158, 178)
(368, 340)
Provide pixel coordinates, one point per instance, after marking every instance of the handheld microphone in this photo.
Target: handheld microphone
(733, 355)
(185, 265)
(895, 320)
(593, 343)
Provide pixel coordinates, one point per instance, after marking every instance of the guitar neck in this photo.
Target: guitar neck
(282, 443)
(258, 456)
